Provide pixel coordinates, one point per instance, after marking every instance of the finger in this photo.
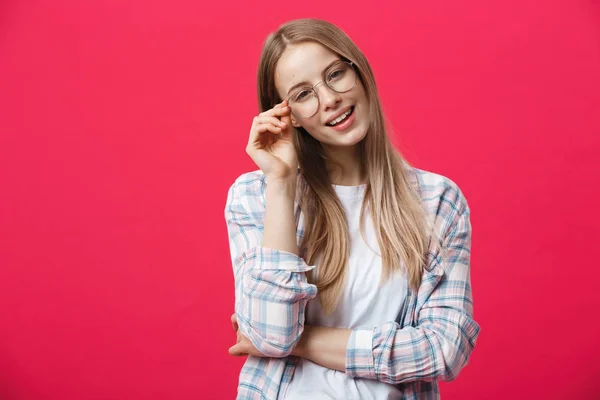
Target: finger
(286, 117)
(257, 131)
(277, 111)
(268, 128)
(273, 109)
(256, 135)
(233, 350)
(271, 120)
(282, 111)
(235, 326)
(236, 350)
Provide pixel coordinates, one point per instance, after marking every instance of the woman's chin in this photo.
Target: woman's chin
(347, 139)
(354, 136)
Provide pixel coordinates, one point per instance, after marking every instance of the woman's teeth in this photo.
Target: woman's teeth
(341, 118)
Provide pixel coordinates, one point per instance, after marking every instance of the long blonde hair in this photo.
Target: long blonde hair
(395, 204)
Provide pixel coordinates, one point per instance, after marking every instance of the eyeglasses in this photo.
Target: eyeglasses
(340, 77)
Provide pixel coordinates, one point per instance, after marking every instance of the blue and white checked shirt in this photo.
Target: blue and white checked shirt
(431, 339)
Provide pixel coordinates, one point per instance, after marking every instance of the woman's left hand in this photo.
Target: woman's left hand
(243, 346)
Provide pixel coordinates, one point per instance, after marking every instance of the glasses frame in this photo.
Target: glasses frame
(350, 63)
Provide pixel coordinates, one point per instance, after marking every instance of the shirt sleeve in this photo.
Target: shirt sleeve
(440, 344)
(271, 290)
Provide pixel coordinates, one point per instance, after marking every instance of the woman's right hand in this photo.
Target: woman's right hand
(271, 144)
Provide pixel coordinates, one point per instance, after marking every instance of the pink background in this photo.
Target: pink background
(124, 123)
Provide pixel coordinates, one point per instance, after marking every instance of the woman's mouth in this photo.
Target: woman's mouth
(343, 121)
(341, 118)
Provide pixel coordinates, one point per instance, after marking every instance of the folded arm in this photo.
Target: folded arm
(270, 284)
(438, 347)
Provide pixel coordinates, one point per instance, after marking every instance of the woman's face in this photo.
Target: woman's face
(307, 62)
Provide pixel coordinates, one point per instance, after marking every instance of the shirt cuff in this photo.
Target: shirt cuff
(272, 259)
(359, 354)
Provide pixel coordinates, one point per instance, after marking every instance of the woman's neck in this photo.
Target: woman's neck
(344, 166)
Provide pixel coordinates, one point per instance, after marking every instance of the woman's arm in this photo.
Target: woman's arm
(280, 224)
(270, 283)
(324, 346)
(437, 348)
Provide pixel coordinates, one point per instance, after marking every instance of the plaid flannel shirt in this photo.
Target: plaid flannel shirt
(432, 337)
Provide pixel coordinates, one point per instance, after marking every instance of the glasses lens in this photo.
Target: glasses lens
(341, 77)
(304, 102)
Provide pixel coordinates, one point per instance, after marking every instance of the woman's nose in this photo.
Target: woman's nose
(327, 96)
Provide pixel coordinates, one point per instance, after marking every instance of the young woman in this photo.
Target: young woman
(351, 266)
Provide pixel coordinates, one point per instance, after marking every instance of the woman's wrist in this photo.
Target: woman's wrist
(282, 185)
(325, 346)
(300, 349)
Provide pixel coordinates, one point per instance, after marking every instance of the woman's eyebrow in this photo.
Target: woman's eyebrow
(307, 83)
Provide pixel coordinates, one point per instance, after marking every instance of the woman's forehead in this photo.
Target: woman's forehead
(302, 62)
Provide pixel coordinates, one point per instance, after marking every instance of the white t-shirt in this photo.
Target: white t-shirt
(363, 305)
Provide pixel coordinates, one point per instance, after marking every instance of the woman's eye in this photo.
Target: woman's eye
(302, 95)
(336, 74)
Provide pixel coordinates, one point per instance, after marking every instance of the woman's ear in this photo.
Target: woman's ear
(295, 123)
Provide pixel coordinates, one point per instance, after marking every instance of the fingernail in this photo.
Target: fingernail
(285, 108)
(282, 123)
